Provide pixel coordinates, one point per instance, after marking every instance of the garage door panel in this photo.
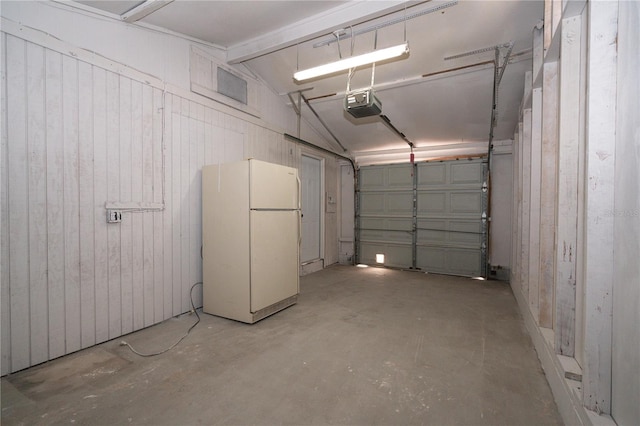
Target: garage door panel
(373, 203)
(395, 255)
(431, 203)
(400, 203)
(455, 261)
(432, 259)
(432, 230)
(386, 203)
(400, 177)
(465, 262)
(386, 229)
(386, 236)
(469, 232)
(384, 223)
(386, 178)
(371, 178)
(441, 233)
(466, 202)
(432, 174)
(466, 232)
(468, 173)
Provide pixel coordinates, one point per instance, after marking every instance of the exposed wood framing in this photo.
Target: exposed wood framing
(526, 197)
(567, 202)
(600, 190)
(548, 192)
(534, 203)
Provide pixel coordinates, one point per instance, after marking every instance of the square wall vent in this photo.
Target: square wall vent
(232, 86)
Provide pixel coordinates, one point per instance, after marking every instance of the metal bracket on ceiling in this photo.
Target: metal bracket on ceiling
(296, 103)
(344, 35)
(482, 50)
(388, 123)
(502, 54)
(298, 109)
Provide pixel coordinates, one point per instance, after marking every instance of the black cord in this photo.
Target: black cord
(123, 343)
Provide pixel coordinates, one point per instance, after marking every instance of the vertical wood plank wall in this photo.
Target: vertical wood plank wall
(75, 136)
(586, 173)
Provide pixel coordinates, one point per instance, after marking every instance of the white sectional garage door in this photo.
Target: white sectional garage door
(386, 214)
(432, 220)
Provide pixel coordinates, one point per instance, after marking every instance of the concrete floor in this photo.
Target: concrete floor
(362, 346)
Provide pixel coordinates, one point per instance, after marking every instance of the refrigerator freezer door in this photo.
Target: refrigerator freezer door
(273, 186)
(274, 257)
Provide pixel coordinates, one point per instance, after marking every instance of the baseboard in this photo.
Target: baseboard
(567, 393)
(311, 267)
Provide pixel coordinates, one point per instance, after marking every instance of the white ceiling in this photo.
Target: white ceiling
(424, 95)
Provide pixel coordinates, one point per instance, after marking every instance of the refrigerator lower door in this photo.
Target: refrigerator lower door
(274, 257)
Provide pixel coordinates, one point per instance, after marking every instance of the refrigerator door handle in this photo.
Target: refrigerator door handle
(299, 191)
(299, 228)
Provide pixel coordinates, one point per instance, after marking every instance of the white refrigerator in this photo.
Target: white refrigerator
(250, 239)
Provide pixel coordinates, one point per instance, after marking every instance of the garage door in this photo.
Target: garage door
(433, 219)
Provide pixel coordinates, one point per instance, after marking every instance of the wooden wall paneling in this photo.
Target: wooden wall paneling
(113, 194)
(137, 219)
(81, 136)
(209, 142)
(276, 148)
(515, 213)
(600, 153)
(263, 144)
(5, 296)
(183, 212)
(71, 203)
(55, 203)
(519, 200)
(36, 189)
(272, 141)
(18, 204)
(196, 152)
(548, 191)
(126, 226)
(217, 144)
(567, 198)
(526, 198)
(250, 141)
(158, 223)
(197, 294)
(167, 214)
(176, 203)
(86, 206)
(100, 196)
(535, 152)
(147, 195)
(234, 146)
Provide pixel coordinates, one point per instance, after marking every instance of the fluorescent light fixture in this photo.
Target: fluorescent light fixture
(379, 258)
(353, 62)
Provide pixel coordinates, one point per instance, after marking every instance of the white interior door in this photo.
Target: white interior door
(311, 180)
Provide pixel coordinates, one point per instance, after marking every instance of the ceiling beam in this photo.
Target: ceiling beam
(339, 17)
(143, 9)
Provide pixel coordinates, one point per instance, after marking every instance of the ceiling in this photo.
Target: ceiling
(435, 102)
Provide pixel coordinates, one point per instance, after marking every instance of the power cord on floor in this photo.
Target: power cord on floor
(193, 309)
